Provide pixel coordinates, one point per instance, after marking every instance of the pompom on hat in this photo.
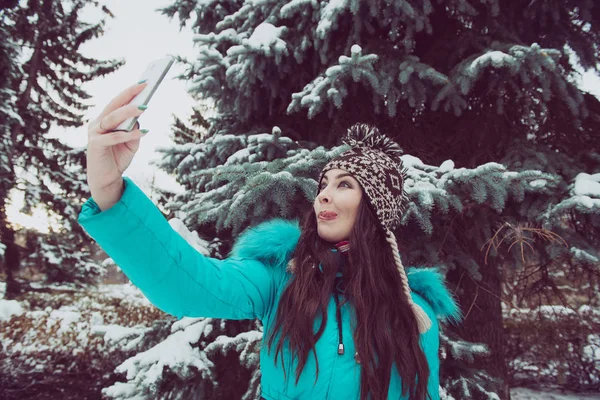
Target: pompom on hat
(374, 161)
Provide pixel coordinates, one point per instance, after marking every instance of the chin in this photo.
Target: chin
(332, 237)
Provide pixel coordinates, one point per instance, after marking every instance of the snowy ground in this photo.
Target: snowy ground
(66, 319)
(529, 394)
(65, 343)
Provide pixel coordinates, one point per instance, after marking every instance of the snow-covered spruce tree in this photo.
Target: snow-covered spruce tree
(485, 71)
(235, 181)
(62, 257)
(9, 68)
(552, 297)
(473, 82)
(45, 89)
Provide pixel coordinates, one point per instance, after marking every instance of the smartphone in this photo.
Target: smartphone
(154, 74)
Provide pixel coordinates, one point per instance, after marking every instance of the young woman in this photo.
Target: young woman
(342, 318)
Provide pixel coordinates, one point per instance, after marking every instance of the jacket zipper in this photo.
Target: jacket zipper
(338, 316)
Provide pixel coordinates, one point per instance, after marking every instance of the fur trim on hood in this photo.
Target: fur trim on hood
(273, 242)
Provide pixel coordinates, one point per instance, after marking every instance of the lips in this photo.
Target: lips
(327, 215)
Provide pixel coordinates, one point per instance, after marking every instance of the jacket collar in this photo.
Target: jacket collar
(273, 242)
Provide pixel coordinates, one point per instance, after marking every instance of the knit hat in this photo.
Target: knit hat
(374, 161)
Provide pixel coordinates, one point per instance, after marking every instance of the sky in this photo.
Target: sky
(138, 34)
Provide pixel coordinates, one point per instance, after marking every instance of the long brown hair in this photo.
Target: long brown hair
(386, 329)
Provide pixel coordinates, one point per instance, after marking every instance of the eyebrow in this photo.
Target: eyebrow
(341, 175)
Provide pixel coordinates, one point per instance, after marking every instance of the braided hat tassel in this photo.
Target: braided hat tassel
(423, 321)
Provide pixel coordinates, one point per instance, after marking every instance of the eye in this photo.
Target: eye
(345, 184)
(322, 186)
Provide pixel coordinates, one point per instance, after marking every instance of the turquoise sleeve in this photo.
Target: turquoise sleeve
(430, 342)
(171, 273)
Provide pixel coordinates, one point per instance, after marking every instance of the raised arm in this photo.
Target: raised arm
(131, 229)
(169, 271)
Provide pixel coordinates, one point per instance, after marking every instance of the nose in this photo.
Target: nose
(324, 196)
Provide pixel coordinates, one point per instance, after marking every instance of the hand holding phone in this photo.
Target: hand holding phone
(154, 75)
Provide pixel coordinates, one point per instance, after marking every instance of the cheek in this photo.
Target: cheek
(357, 199)
(355, 211)
(352, 204)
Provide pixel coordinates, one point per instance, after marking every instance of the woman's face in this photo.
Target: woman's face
(336, 205)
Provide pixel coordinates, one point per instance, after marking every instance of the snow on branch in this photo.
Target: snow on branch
(331, 86)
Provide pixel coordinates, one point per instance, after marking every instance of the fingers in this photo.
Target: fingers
(114, 138)
(122, 98)
(114, 119)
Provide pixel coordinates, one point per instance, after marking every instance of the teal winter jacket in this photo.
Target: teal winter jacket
(248, 284)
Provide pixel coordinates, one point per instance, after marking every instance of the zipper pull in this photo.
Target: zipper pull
(341, 348)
